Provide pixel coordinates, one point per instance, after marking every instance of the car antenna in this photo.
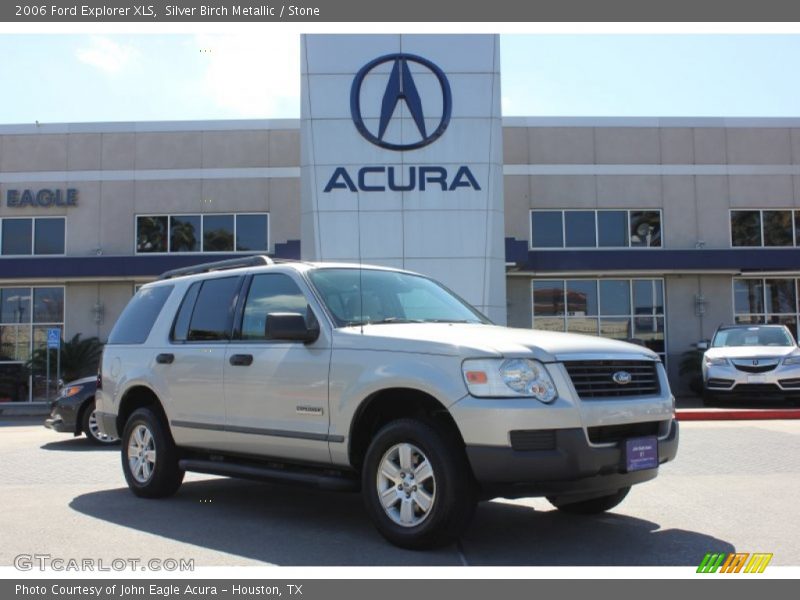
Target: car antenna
(360, 266)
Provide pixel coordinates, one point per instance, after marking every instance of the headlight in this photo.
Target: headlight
(71, 391)
(514, 377)
(792, 360)
(716, 362)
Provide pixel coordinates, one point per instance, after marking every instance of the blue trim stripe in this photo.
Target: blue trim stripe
(657, 260)
(142, 265)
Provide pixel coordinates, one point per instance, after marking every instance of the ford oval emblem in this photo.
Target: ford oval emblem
(622, 377)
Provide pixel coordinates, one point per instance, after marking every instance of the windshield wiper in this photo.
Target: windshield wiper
(448, 321)
(382, 321)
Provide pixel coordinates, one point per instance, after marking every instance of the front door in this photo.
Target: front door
(276, 392)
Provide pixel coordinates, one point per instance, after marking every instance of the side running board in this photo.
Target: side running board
(306, 478)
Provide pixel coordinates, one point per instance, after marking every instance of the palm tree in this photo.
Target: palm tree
(79, 358)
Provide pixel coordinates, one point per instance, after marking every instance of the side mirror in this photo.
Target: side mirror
(702, 345)
(290, 327)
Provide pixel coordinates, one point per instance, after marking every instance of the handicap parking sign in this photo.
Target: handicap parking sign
(54, 337)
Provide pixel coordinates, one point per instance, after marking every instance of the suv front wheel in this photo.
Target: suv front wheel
(149, 456)
(417, 485)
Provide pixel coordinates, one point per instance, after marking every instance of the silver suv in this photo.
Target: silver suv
(754, 362)
(350, 377)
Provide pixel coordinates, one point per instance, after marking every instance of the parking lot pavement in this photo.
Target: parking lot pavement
(733, 487)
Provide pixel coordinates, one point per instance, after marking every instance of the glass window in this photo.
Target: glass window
(767, 301)
(15, 305)
(602, 307)
(213, 312)
(612, 228)
(745, 228)
(650, 330)
(778, 228)
(547, 229)
(615, 297)
(618, 328)
(218, 233)
(17, 236)
(151, 234)
(648, 296)
(180, 330)
(273, 293)
(780, 295)
(184, 233)
(581, 297)
(646, 229)
(748, 296)
(356, 296)
(548, 297)
(579, 227)
(797, 228)
(137, 318)
(48, 305)
(48, 236)
(251, 233)
(584, 326)
(15, 342)
(748, 319)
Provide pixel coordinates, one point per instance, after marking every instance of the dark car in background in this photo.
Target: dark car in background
(73, 411)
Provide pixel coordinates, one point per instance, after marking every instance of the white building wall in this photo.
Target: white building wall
(454, 236)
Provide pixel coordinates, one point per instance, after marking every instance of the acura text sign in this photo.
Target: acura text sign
(401, 157)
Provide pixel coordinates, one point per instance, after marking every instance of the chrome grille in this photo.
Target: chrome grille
(756, 365)
(594, 379)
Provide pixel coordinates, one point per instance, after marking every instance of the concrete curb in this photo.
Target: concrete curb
(736, 414)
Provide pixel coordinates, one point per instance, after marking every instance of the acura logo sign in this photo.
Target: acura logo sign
(401, 86)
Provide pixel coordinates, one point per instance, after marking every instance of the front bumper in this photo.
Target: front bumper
(728, 381)
(56, 423)
(63, 417)
(573, 467)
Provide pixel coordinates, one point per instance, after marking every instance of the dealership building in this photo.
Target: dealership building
(652, 229)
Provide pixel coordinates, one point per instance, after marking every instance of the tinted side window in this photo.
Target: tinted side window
(180, 331)
(136, 321)
(270, 293)
(213, 311)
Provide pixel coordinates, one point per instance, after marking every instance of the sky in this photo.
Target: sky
(58, 78)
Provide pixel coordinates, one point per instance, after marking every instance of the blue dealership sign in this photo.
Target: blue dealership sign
(401, 86)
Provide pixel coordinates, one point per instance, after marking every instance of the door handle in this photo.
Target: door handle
(241, 360)
(165, 359)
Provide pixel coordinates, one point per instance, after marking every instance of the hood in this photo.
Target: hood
(476, 340)
(751, 351)
(82, 381)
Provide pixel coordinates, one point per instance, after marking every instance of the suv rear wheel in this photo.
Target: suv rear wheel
(592, 506)
(149, 456)
(417, 485)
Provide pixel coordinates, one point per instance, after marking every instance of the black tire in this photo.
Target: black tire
(593, 506)
(452, 485)
(165, 476)
(88, 428)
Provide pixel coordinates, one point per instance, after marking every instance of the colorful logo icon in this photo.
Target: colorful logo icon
(734, 562)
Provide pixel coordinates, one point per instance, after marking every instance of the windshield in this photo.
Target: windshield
(752, 336)
(388, 297)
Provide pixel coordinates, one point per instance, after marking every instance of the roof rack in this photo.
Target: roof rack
(220, 265)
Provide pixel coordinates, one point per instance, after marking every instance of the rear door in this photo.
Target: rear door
(193, 366)
(276, 392)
